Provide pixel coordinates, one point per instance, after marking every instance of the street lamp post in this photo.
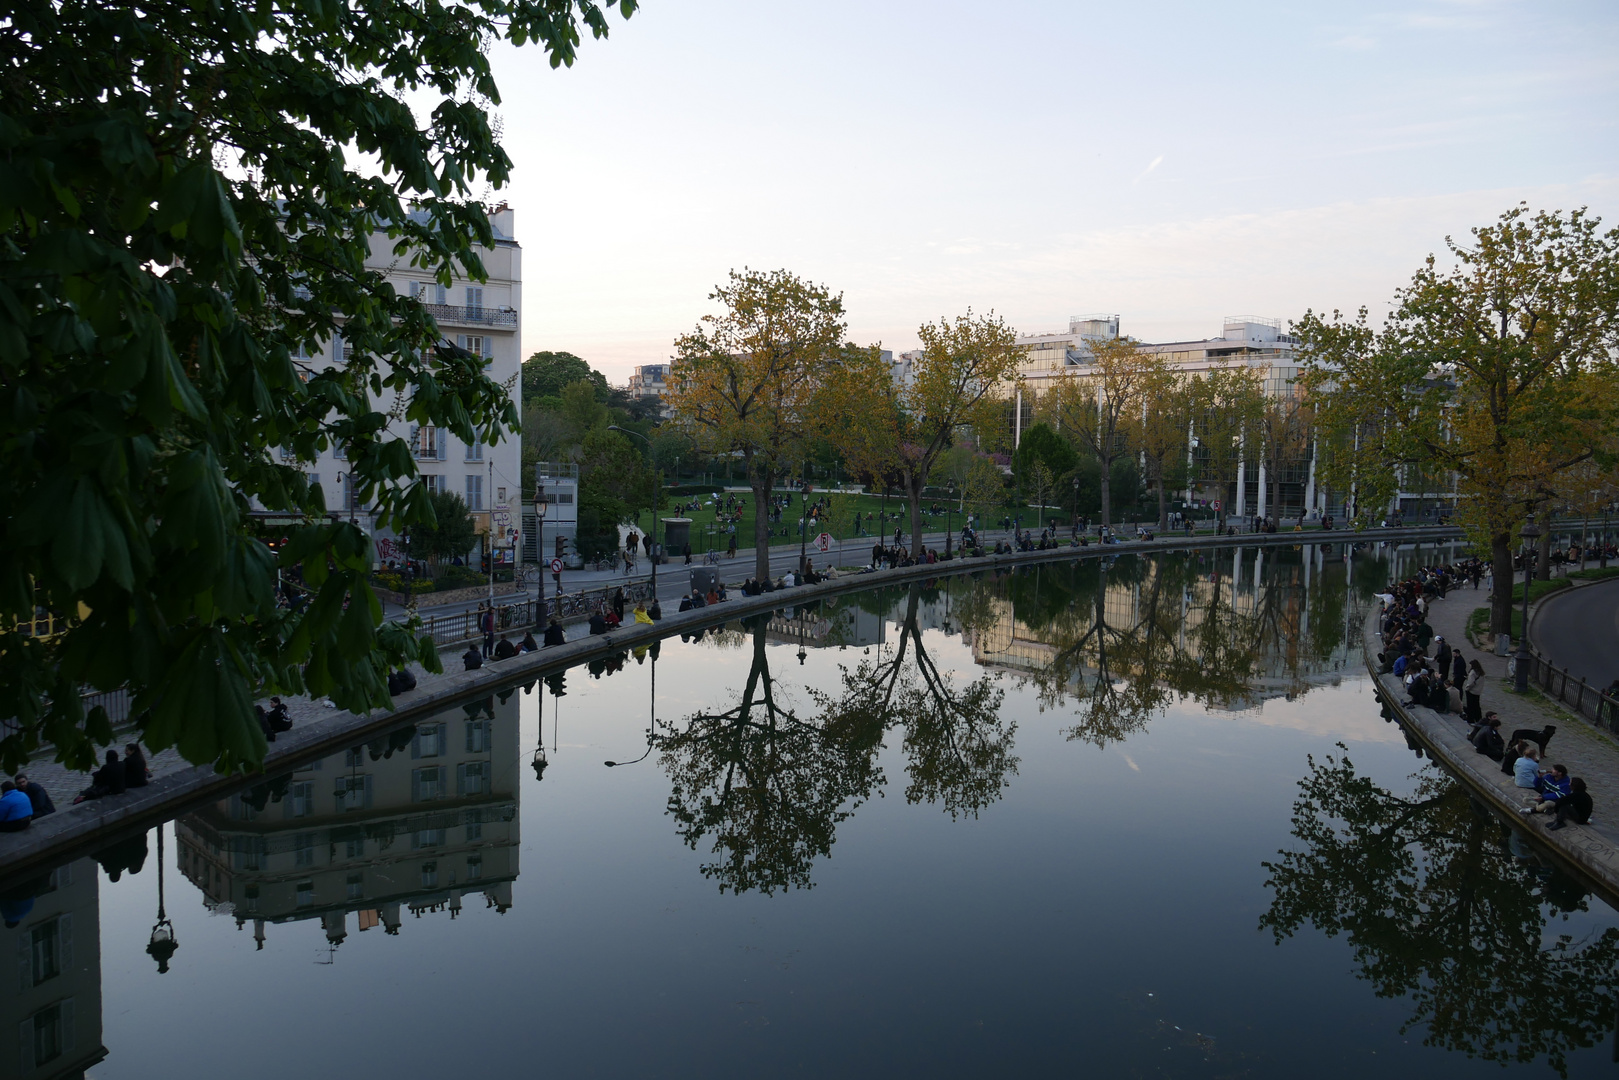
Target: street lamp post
(1520, 665)
(653, 532)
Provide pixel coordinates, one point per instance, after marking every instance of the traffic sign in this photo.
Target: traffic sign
(1216, 506)
(556, 566)
(824, 542)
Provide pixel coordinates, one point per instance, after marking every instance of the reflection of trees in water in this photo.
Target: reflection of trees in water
(957, 747)
(1126, 635)
(1438, 910)
(770, 786)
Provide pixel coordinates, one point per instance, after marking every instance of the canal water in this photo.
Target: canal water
(1117, 817)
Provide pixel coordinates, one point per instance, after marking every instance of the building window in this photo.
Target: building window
(301, 799)
(353, 793)
(423, 838)
(475, 450)
(477, 736)
(474, 492)
(474, 867)
(354, 757)
(474, 831)
(475, 303)
(52, 1033)
(247, 853)
(52, 941)
(303, 849)
(433, 482)
(430, 741)
(472, 778)
(429, 875)
(306, 894)
(355, 849)
(356, 886)
(427, 784)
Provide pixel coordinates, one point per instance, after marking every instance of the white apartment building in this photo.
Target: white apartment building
(1248, 341)
(649, 381)
(482, 317)
(50, 1019)
(422, 819)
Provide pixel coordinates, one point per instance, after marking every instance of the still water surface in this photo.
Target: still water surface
(1128, 818)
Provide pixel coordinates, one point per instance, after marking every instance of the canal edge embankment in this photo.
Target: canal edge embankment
(81, 829)
(1577, 848)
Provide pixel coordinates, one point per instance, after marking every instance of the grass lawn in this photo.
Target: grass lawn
(1595, 573)
(882, 521)
(1478, 623)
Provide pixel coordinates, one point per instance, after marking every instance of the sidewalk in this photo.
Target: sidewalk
(1587, 751)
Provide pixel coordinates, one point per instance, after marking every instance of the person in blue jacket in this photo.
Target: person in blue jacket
(16, 810)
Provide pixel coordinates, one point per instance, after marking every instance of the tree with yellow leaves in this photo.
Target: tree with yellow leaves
(1499, 370)
(902, 429)
(748, 380)
(1097, 405)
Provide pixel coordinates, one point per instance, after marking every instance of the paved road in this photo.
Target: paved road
(1580, 631)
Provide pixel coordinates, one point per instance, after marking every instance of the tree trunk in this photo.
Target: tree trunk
(1163, 504)
(762, 484)
(913, 494)
(1107, 493)
(1501, 597)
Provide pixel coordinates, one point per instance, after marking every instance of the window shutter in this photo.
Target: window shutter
(443, 444)
(440, 294)
(415, 445)
(366, 799)
(66, 1015)
(25, 963)
(415, 290)
(416, 785)
(64, 942)
(460, 341)
(460, 779)
(25, 1047)
(488, 347)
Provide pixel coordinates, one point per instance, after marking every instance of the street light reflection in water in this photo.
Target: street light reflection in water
(1107, 816)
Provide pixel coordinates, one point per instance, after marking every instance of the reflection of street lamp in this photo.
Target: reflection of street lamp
(162, 946)
(1531, 533)
(653, 533)
(652, 709)
(539, 540)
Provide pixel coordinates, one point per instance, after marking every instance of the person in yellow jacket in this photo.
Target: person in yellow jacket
(641, 615)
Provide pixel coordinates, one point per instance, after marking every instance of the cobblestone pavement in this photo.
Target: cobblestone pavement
(1586, 750)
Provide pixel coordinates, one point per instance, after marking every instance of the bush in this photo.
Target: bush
(459, 577)
(423, 586)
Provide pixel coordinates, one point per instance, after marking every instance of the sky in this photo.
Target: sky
(1169, 163)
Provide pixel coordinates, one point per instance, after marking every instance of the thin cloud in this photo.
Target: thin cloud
(1157, 161)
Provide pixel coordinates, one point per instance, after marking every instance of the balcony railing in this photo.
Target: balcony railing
(472, 316)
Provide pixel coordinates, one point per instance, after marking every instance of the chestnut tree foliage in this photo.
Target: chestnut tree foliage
(188, 195)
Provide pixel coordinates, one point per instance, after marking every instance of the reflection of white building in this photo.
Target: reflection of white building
(418, 820)
(481, 317)
(50, 1024)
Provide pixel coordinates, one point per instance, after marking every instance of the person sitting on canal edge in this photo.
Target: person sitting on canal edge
(1526, 767)
(472, 659)
(641, 616)
(504, 649)
(656, 610)
(528, 644)
(136, 774)
(1577, 806)
(1554, 786)
(400, 682)
(107, 780)
(38, 796)
(598, 624)
(16, 809)
(554, 634)
(1487, 739)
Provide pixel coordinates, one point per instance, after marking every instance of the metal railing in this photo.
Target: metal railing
(480, 316)
(1585, 700)
(531, 613)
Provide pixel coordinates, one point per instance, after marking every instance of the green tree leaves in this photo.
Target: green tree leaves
(183, 225)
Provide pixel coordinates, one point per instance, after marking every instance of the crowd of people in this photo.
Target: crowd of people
(22, 800)
(1437, 676)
